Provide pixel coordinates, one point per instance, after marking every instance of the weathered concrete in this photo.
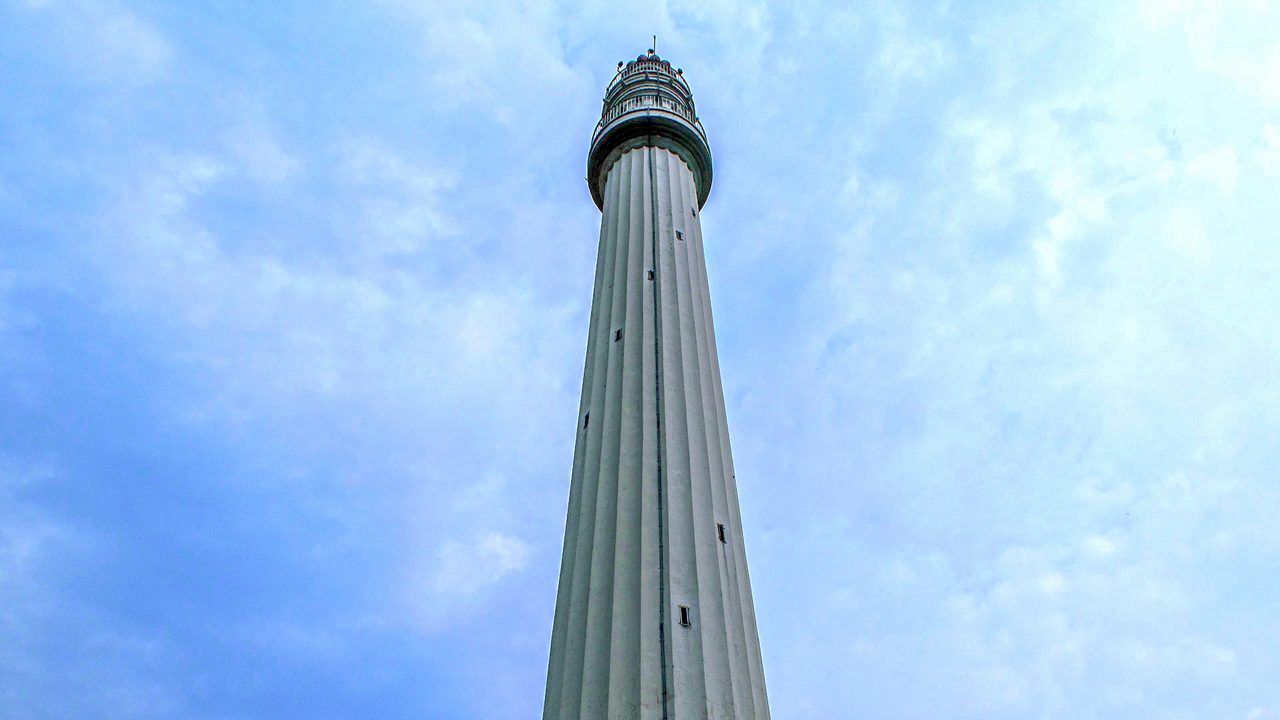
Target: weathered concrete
(652, 470)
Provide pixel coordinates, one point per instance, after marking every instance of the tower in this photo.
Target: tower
(654, 618)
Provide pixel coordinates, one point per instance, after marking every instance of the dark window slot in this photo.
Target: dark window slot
(684, 616)
(720, 532)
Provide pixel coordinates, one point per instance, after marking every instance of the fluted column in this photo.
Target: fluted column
(652, 479)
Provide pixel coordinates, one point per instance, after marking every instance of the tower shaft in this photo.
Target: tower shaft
(654, 617)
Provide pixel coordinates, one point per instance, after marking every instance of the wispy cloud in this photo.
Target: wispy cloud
(105, 42)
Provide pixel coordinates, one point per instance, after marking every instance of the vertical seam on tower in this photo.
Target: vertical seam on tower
(708, 417)
(712, 424)
(583, 564)
(755, 664)
(564, 597)
(600, 615)
(657, 379)
(689, 493)
(622, 623)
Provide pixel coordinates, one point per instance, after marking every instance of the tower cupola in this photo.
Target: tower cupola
(648, 102)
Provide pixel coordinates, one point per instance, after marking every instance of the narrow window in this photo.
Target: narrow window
(684, 616)
(720, 532)
(679, 235)
(617, 335)
(586, 419)
(693, 212)
(650, 274)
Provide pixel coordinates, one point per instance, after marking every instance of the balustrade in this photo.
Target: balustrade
(647, 102)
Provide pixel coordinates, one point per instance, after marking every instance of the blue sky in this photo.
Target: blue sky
(293, 307)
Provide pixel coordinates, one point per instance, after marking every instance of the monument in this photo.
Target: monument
(654, 618)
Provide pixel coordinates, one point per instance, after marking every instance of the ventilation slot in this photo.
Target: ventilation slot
(679, 235)
(650, 274)
(617, 335)
(684, 616)
(586, 419)
(720, 532)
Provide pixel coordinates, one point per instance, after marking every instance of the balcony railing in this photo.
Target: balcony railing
(647, 102)
(645, 65)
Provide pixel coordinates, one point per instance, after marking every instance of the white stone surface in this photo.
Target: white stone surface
(652, 478)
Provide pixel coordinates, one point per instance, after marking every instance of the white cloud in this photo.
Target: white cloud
(111, 44)
(376, 333)
(455, 583)
(261, 156)
(30, 540)
(501, 61)
(466, 568)
(1220, 167)
(101, 667)
(907, 52)
(400, 204)
(1044, 351)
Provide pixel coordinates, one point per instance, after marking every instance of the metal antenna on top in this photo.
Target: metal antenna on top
(654, 50)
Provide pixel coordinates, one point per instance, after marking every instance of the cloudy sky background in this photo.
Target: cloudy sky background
(293, 307)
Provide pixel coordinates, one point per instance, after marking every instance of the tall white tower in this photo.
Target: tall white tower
(654, 618)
